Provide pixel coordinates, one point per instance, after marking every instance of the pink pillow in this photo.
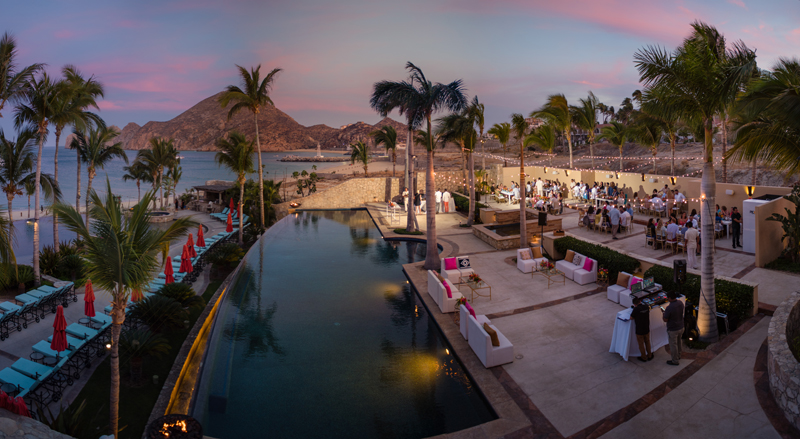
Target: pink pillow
(635, 281)
(450, 264)
(588, 264)
(447, 287)
(471, 311)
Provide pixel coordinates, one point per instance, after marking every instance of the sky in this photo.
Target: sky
(158, 58)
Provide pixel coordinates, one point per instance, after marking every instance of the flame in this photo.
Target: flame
(166, 428)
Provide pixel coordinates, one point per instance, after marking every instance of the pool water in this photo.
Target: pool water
(320, 336)
(505, 229)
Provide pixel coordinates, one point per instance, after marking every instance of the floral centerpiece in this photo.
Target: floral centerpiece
(546, 265)
(474, 278)
(602, 274)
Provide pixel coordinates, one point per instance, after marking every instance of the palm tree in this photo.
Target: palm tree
(476, 110)
(502, 132)
(96, 152)
(585, 117)
(138, 172)
(236, 154)
(360, 153)
(419, 98)
(702, 76)
(766, 120)
(253, 95)
(119, 265)
(13, 83)
(16, 166)
(161, 155)
(174, 175)
(30, 189)
(655, 101)
(36, 110)
(387, 136)
(617, 135)
(459, 128)
(557, 112)
(544, 137)
(647, 131)
(519, 125)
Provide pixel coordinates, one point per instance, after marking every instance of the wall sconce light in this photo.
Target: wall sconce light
(673, 180)
(729, 192)
(545, 169)
(750, 190)
(566, 173)
(617, 175)
(643, 176)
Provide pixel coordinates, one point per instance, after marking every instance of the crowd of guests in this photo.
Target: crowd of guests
(444, 201)
(545, 195)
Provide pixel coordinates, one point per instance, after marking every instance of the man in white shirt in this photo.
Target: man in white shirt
(679, 199)
(438, 195)
(691, 245)
(528, 187)
(515, 193)
(446, 200)
(539, 187)
(594, 192)
(625, 219)
(405, 199)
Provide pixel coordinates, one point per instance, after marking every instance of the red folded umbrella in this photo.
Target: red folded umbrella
(20, 407)
(4, 401)
(192, 251)
(9, 403)
(136, 295)
(230, 207)
(88, 297)
(186, 265)
(59, 342)
(169, 272)
(201, 242)
(229, 229)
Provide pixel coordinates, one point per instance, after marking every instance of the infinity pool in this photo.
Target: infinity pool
(320, 336)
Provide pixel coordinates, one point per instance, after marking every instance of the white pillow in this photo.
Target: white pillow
(577, 259)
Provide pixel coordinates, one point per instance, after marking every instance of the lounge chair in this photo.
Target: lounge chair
(481, 344)
(24, 383)
(464, 317)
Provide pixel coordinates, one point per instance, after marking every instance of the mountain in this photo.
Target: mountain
(200, 126)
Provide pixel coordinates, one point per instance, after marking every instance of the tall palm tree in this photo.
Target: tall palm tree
(617, 135)
(138, 172)
(703, 76)
(16, 166)
(519, 126)
(159, 156)
(30, 189)
(97, 153)
(502, 132)
(236, 154)
(35, 111)
(387, 136)
(419, 98)
(360, 153)
(121, 254)
(476, 110)
(766, 120)
(13, 82)
(557, 112)
(655, 104)
(544, 137)
(585, 117)
(647, 131)
(253, 95)
(459, 128)
(174, 175)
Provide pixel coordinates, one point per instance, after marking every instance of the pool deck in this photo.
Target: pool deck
(568, 384)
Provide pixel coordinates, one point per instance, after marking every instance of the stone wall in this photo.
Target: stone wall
(450, 180)
(13, 425)
(349, 194)
(784, 369)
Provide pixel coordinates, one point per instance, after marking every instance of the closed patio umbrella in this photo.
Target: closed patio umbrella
(88, 297)
(229, 229)
(201, 242)
(169, 273)
(20, 407)
(230, 207)
(186, 265)
(190, 244)
(136, 295)
(59, 343)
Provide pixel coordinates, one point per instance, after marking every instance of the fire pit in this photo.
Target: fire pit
(175, 427)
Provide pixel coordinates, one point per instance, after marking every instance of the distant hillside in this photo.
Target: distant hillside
(200, 126)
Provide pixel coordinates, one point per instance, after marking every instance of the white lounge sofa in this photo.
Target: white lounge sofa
(530, 264)
(576, 272)
(481, 344)
(612, 292)
(464, 316)
(463, 268)
(439, 293)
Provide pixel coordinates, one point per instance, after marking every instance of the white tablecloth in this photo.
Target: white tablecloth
(623, 340)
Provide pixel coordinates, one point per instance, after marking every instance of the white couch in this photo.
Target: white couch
(463, 268)
(464, 316)
(439, 294)
(528, 265)
(612, 292)
(576, 272)
(481, 344)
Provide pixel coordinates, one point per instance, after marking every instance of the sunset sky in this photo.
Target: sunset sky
(158, 58)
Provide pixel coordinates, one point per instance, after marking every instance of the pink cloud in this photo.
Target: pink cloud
(65, 34)
(108, 105)
(738, 3)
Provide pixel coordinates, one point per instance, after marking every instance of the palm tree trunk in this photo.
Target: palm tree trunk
(241, 198)
(672, 147)
(160, 186)
(724, 150)
(569, 142)
(504, 156)
(523, 217)
(29, 206)
(138, 191)
(707, 316)
(260, 175)
(754, 173)
(471, 215)
(394, 160)
(89, 190)
(655, 151)
(118, 318)
(591, 152)
(36, 274)
(464, 169)
(483, 152)
(78, 191)
(410, 215)
(432, 261)
(620, 159)
(10, 210)
(55, 177)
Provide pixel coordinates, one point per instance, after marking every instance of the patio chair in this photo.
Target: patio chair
(8, 320)
(534, 258)
(24, 384)
(481, 344)
(456, 267)
(464, 316)
(612, 292)
(680, 246)
(649, 240)
(671, 243)
(661, 240)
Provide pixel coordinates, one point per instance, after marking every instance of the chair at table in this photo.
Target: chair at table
(681, 244)
(649, 240)
(671, 243)
(661, 240)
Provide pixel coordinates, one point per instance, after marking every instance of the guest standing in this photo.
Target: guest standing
(691, 244)
(641, 317)
(613, 215)
(417, 203)
(405, 199)
(673, 316)
(446, 200)
(736, 225)
(438, 195)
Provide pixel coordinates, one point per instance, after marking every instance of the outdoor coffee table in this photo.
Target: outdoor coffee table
(552, 276)
(476, 288)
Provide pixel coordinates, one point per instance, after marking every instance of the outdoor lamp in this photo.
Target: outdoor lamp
(545, 169)
(617, 174)
(566, 173)
(750, 190)
(642, 176)
(673, 180)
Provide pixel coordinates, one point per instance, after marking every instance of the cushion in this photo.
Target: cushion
(588, 264)
(525, 255)
(492, 333)
(447, 288)
(577, 260)
(471, 311)
(570, 256)
(636, 280)
(439, 276)
(622, 280)
(537, 252)
(463, 263)
(450, 264)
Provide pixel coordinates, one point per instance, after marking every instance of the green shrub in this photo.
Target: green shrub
(462, 205)
(784, 264)
(733, 298)
(182, 293)
(159, 313)
(226, 255)
(405, 232)
(25, 275)
(70, 267)
(607, 258)
(48, 260)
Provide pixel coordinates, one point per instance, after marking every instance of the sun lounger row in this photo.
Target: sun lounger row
(32, 306)
(223, 216)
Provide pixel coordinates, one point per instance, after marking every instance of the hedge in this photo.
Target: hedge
(733, 298)
(607, 258)
(462, 205)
